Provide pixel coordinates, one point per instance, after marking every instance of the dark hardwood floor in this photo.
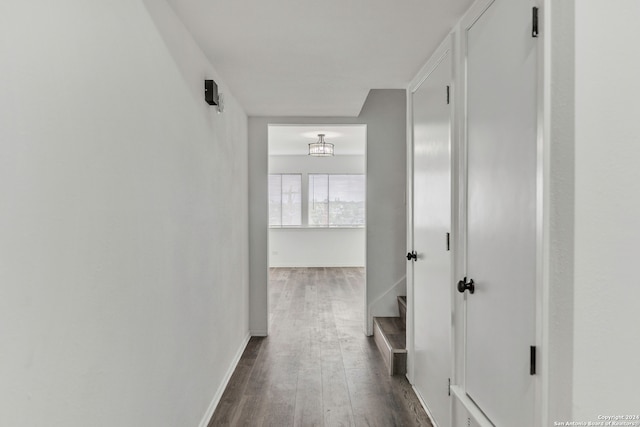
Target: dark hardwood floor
(316, 367)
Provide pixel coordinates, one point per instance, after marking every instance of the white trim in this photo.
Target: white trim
(409, 231)
(458, 211)
(259, 333)
(317, 265)
(365, 297)
(542, 183)
(474, 13)
(454, 185)
(542, 416)
(432, 63)
(425, 407)
(471, 407)
(216, 397)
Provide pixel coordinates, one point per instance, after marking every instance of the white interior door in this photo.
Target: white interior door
(431, 223)
(501, 212)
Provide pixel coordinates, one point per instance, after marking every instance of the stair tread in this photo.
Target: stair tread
(390, 337)
(394, 331)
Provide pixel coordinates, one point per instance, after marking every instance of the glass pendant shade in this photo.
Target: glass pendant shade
(321, 148)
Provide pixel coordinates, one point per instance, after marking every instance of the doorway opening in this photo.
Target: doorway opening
(317, 217)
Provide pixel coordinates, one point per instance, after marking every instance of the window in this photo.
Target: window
(285, 200)
(336, 200)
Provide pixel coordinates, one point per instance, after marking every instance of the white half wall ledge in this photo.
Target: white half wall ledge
(317, 247)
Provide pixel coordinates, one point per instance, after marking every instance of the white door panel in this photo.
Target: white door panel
(501, 209)
(431, 222)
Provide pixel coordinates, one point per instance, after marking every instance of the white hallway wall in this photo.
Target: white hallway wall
(606, 372)
(384, 113)
(592, 291)
(123, 218)
(593, 211)
(316, 247)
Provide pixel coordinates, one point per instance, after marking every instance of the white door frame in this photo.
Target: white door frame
(317, 125)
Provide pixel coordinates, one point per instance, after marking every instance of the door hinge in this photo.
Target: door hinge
(448, 94)
(449, 388)
(532, 360)
(534, 24)
(448, 241)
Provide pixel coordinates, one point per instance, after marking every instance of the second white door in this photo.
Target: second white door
(431, 227)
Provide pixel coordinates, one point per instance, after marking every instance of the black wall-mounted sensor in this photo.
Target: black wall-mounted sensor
(211, 92)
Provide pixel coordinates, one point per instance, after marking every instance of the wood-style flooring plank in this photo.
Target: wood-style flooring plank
(309, 409)
(316, 368)
(336, 400)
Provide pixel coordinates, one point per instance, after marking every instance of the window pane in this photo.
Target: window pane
(292, 200)
(275, 200)
(285, 200)
(336, 200)
(346, 200)
(318, 200)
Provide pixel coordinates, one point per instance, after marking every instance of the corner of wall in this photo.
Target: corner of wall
(386, 305)
(385, 112)
(258, 226)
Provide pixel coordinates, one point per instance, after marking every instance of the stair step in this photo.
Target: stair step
(403, 300)
(402, 307)
(390, 337)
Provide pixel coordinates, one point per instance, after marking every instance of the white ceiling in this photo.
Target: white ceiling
(293, 139)
(316, 57)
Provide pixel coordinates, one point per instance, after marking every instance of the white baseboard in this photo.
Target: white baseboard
(258, 333)
(316, 265)
(424, 406)
(216, 398)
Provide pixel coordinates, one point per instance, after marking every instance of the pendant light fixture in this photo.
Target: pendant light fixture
(321, 148)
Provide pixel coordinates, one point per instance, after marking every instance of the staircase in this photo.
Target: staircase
(390, 336)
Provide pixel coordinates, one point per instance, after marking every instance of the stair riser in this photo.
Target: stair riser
(403, 312)
(402, 309)
(394, 359)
